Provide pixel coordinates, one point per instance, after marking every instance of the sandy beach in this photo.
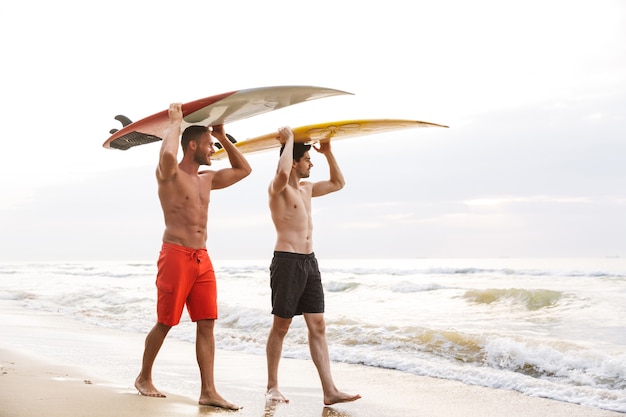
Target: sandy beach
(52, 366)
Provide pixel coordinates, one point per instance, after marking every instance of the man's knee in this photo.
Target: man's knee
(280, 327)
(316, 324)
(161, 328)
(205, 325)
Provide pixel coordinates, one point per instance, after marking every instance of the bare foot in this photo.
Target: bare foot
(146, 388)
(340, 397)
(273, 394)
(216, 400)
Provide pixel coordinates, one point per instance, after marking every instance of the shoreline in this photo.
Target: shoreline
(53, 366)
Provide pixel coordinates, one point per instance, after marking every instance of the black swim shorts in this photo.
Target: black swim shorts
(296, 284)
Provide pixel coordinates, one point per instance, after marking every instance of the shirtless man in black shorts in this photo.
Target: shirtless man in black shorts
(295, 278)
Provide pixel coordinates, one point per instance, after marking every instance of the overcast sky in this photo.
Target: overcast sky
(534, 92)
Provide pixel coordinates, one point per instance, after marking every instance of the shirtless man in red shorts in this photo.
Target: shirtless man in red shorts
(185, 274)
(295, 278)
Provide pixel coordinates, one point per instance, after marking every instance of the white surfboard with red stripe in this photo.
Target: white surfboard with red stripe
(218, 109)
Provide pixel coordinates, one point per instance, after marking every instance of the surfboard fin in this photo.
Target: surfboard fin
(230, 138)
(125, 121)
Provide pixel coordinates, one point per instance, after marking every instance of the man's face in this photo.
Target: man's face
(204, 149)
(303, 167)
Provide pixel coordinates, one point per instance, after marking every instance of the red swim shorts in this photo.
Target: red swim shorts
(185, 276)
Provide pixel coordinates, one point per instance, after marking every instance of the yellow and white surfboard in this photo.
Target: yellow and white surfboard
(321, 132)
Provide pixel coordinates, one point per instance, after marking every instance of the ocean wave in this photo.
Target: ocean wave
(564, 371)
(409, 287)
(531, 299)
(338, 286)
(567, 363)
(406, 269)
(86, 269)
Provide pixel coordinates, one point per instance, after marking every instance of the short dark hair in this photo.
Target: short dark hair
(299, 149)
(192, 133)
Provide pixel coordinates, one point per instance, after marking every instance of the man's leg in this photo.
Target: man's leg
(273, 350)
(205, 354)
(319, 353)
(154, 341)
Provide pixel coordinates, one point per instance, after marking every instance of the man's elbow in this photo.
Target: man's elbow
(245, 171)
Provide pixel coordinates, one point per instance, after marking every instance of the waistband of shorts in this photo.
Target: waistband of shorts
(181, 248)
(293, 255)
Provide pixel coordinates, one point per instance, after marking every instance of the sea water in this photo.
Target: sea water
(554, 328)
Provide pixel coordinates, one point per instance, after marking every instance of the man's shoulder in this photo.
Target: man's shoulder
(306, 185)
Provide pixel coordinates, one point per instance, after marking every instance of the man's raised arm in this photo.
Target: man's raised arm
(285, 136)
(168, 156)
(336, 180)
(240, 168)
